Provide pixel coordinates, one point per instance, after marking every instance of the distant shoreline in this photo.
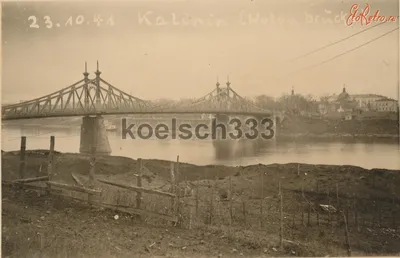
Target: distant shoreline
(342, 136)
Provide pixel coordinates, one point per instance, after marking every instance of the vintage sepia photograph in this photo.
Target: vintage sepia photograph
(200, 128)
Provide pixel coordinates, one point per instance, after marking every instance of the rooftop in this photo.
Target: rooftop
(366, 96)
(387, 99)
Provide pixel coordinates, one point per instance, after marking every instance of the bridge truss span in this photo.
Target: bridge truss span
(220, 100)
(89, 97)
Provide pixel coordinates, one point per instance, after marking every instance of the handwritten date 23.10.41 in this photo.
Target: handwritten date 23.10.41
(48, 22)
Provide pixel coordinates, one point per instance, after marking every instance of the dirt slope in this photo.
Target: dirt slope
(37, 225)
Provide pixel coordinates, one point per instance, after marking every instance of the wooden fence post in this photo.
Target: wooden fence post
(50, 162)
(346, 207)
(92, 174)
(191, 210)
(355, 213)
(279, 188)
(2, 163)
(173, 186)
(230, 201)
(346, 234)
(302, 206)
(373, 216)
(293, 222)
(178, 178)
(22, 162)
(50, 170)
(394, 223)
(337, 204)
(329, 203)
(318, 204)
(118, 197)
(379, 214)
(92, 170)
(262, 200)
(178, 175)
(139, 168)
(197, 199)
(244, 212)
(179, 191)
(39, 171)
(52, 148)
(281, 216)
(212, 202)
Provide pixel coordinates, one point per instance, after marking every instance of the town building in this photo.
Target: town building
(343, 104)
(358, 106)
(301, 105)
(365, 101)
(385, 105)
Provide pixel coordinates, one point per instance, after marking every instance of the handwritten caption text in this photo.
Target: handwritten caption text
(48, 22)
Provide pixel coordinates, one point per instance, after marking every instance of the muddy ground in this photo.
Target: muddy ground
(35, 224)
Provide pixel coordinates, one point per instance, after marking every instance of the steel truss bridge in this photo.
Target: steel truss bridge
(89, 97)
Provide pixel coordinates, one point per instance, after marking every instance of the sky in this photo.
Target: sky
(182, 58)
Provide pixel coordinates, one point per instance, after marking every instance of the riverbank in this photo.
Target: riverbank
(48, 226)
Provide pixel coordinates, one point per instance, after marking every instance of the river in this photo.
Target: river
(366, 155)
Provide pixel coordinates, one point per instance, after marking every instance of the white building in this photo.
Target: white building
(365, 101)
(385, 105)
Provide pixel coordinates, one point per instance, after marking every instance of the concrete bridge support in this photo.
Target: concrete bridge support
(93, 132)
(222, 146)
(222, 119)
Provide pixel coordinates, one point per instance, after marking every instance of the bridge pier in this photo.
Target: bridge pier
(93, 132)
(268, 128)
(223, 146)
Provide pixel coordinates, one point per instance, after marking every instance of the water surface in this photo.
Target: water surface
(367, 155)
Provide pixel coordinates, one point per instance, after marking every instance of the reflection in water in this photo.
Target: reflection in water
(226, 152)
(232, 149)
(348, 147)
(35, 131)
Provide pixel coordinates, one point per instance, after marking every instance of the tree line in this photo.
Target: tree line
(286, 102)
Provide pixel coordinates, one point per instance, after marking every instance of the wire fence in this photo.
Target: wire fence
(253, 206)
(260, 201)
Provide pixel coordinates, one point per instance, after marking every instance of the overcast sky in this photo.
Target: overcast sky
(178, 61)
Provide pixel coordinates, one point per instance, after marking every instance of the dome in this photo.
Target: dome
(344, 95)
